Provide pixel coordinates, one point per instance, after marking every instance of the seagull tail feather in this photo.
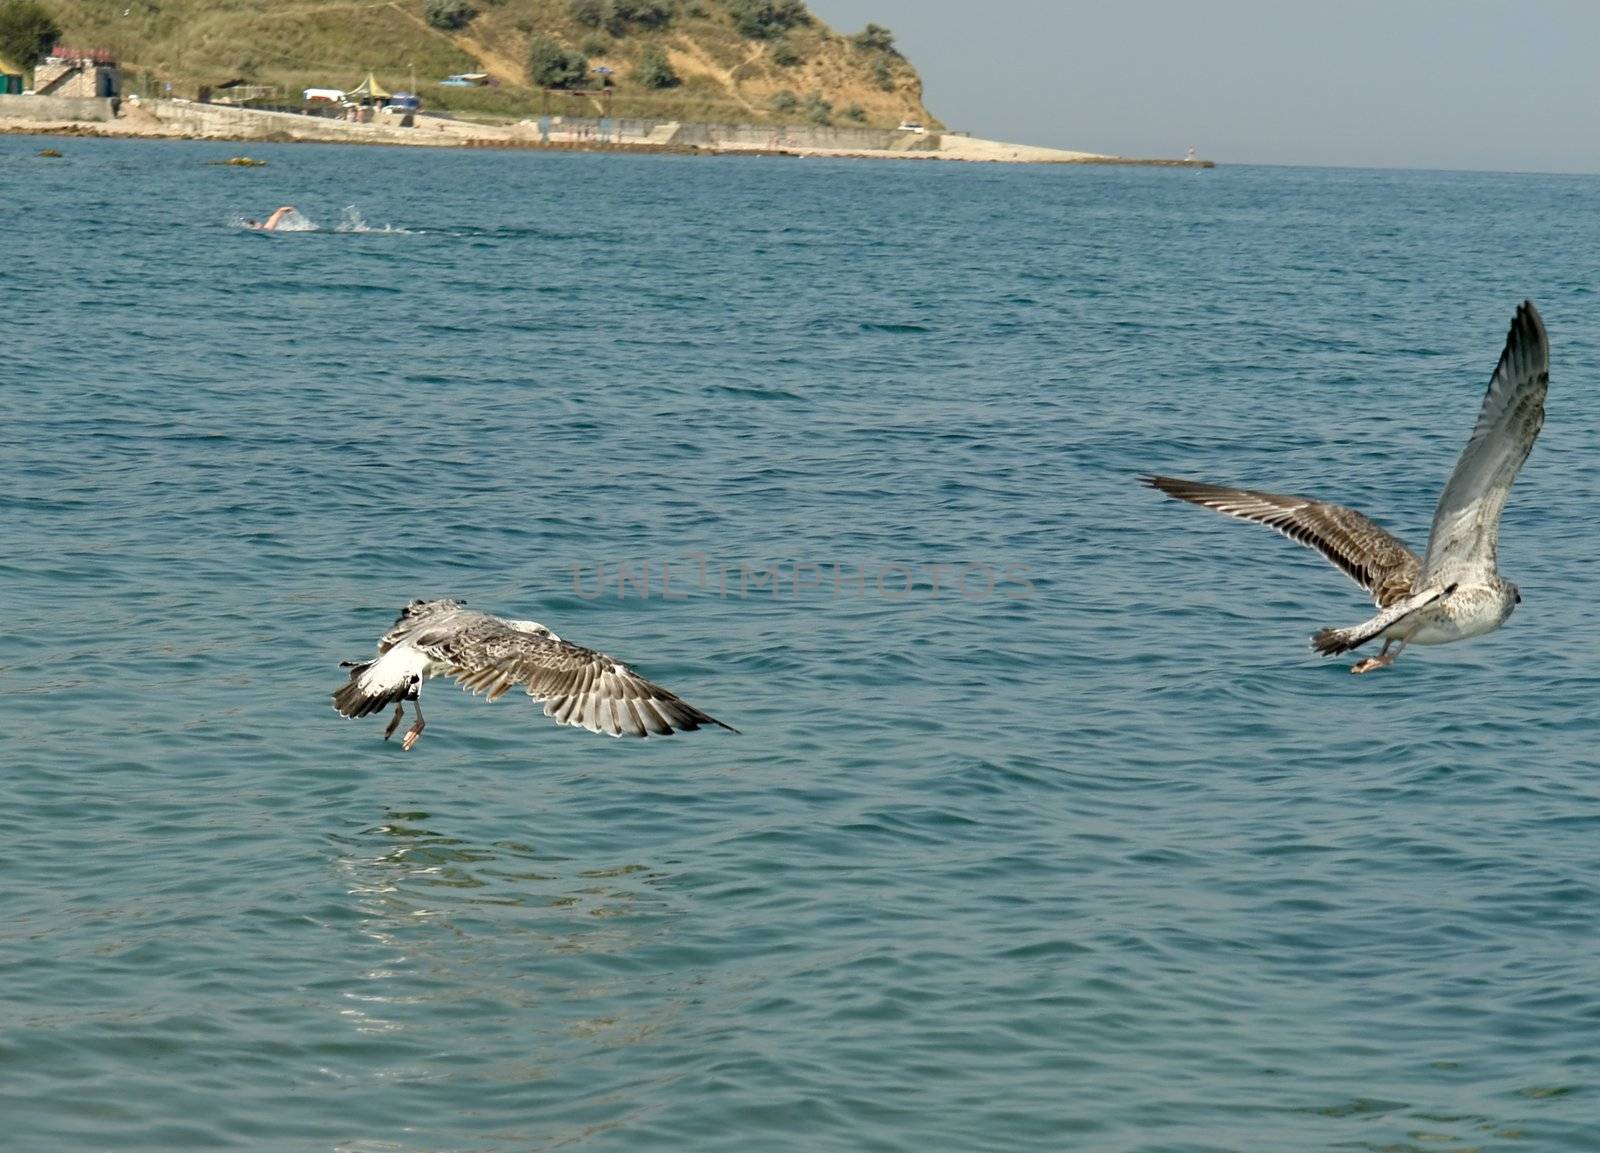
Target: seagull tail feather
(1332, 642)
(352, 699)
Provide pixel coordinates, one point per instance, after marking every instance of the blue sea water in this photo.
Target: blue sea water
(1045, 830)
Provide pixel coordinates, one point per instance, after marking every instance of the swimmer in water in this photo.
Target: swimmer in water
(271, 222)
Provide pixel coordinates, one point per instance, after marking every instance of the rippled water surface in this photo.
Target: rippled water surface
(1046, 830)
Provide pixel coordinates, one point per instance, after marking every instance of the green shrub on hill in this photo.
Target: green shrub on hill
(654, 70)
(26, 31)
(617, 16)
(552, 66)
(874, 38)
(643, 13)
(449, 14)
(766, 19)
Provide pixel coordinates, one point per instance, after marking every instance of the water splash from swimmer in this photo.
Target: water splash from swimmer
(292, 221)
(296, 221)
(353, 221)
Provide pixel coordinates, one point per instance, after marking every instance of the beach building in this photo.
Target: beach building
(78, 73)
(240, 91)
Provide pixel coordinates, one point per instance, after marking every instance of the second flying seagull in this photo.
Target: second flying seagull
(578, 686)
(1455, 590)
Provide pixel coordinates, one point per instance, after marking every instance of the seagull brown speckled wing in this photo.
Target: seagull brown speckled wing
(1369, 555)
(577, 686)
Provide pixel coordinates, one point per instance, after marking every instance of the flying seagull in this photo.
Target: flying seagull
(1454, 591)
(488, 654)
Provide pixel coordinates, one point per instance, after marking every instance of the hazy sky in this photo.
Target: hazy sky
(1488, 84)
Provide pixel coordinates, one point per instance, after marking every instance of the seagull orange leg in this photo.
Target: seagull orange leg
(415, 730)
(1382, 661)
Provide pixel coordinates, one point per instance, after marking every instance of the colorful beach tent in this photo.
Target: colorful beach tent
(369, 88)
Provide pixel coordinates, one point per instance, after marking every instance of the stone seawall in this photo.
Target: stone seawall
(803, 136)
(58, 109)
(222, 120)
(775, 137)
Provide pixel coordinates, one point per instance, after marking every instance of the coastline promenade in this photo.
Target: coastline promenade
(186, 120)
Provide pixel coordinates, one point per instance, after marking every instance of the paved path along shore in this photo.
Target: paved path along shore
(181, 119)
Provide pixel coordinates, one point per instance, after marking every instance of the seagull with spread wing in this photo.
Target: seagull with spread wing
(488, 654)
(1454, 591)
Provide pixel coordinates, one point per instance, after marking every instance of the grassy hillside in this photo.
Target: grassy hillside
(807, 72)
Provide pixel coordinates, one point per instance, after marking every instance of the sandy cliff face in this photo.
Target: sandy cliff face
(801, 72)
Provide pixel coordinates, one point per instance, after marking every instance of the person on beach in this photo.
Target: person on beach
(272, 221)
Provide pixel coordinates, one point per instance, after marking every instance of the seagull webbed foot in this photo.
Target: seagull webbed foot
(1383, 660)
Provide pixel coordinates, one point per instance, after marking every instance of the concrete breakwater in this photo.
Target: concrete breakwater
(58, 109)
